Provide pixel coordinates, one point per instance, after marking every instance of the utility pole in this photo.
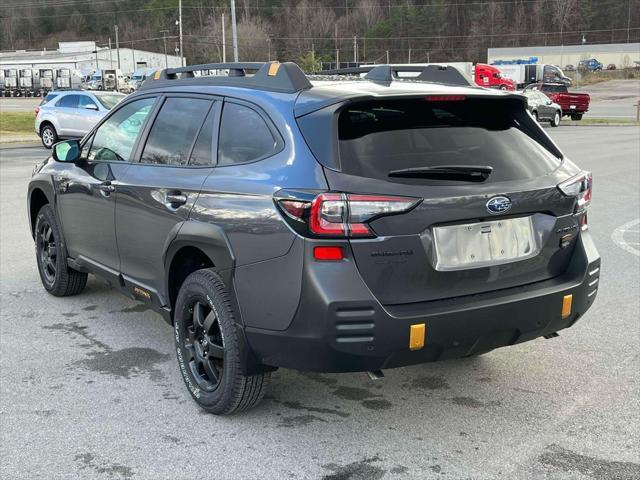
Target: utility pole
(96, 52)
(133, 53)
(164, 44)
(224, 42)
(117, 45)
(234, 30)
(110, 54)
(628, 20)
(337, 58)
(387, 57)
(409, 55)
(180, 32)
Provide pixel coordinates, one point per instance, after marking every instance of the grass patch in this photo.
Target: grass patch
(17, 122)
(605, 121)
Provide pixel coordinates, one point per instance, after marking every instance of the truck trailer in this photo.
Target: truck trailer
(524, 74)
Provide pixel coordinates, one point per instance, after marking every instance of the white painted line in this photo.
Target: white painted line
(618, 237)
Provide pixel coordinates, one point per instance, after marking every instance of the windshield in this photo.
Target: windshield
(377, 137)
(109, 101)
(136, 77)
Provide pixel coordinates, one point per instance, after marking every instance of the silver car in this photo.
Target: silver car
(72, 114)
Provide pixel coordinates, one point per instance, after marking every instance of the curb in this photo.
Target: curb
(16, 145)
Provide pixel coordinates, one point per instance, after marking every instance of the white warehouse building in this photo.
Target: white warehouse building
(622, 55)
(84, 56)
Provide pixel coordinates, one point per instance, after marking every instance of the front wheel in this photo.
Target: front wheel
(57, 277)
(555, 121)
(209, 349)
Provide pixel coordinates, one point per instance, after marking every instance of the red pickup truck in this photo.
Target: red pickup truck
(573, 104)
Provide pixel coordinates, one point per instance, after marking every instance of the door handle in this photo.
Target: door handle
(107, 188)
(174, 200)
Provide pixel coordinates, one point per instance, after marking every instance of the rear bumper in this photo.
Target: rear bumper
(340, 327)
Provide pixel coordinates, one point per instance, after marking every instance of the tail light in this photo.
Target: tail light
(340, 215)
(37, 110)
(580, 187)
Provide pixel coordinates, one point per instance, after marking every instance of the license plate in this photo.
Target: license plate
(483, 244)
(572, 107)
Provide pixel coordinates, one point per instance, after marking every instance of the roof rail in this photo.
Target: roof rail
(445, 74)
(272, 76)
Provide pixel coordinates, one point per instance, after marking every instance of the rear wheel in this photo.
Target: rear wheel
(57, 277)
(48, 135)
(209, 350)
(555, 121)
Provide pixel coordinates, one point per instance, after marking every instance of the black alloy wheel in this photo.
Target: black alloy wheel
(204, 346)
(47, 252)
(210, 349)
(51, 255)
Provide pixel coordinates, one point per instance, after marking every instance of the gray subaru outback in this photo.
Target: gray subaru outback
(363, 219)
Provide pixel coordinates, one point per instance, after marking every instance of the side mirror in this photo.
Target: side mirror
(66, 151)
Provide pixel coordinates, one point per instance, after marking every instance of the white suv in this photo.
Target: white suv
(72, 114)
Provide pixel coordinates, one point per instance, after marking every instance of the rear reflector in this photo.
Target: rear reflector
(566, 306)
(328, 253)
(416, 336)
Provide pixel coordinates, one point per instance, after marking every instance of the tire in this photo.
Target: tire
(555, 121)
(503, 87)
(535, 116)
(577, 116)
(48, 135)
(57, 277)
(208, 347)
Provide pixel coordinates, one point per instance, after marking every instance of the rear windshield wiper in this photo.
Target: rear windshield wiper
(466, 173)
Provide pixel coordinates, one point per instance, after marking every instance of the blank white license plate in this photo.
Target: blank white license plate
(572, 107)
(475, 245)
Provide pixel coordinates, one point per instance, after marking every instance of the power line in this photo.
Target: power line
(433, 37)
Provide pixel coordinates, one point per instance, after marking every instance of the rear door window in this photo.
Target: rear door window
(84, 101)
(174, 131)
(377, 137)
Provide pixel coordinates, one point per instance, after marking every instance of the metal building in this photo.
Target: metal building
(620, 54)
(85, 56)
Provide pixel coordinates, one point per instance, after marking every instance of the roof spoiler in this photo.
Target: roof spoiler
(273, 76)
(444, 74)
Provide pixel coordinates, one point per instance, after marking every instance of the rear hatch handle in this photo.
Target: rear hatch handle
(467, 173)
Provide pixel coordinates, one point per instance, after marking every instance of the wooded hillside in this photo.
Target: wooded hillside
(308, 30)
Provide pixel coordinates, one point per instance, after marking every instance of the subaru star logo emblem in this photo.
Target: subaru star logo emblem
(497, 205)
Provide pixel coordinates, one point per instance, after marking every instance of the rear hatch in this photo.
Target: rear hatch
(468, 232)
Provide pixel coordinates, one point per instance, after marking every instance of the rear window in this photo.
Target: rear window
(554, 88)
(377, 137)
(48, 98)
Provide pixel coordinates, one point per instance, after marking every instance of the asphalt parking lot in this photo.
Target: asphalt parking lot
(89, 385)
